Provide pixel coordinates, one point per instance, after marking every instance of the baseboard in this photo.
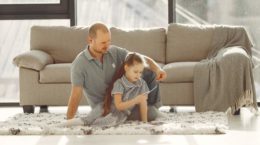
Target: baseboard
(9, 104)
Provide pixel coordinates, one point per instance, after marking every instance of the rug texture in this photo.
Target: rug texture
(176, 123)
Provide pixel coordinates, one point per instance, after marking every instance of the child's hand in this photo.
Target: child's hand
(142, 98)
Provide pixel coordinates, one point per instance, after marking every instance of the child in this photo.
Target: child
(127, 89)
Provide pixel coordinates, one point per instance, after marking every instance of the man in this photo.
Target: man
(93, 69)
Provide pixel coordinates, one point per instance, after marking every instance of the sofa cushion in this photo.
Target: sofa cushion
(34, 59)
(148, 42)
(179, 72)
(56, 73)
(61, 42)
(188, 42)
(59, 73)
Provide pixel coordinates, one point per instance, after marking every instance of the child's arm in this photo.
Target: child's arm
(120, 105)
(143, 110)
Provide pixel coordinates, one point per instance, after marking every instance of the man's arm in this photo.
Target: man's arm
(76, 94)
(160, 74)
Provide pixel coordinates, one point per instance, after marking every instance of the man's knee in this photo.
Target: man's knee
(152, 113)
(149, 75)
(150, 79)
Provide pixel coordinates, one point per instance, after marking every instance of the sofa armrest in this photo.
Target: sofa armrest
(34, 59)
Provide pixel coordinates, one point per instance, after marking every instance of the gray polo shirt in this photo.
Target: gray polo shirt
(128, 89)
(95, 76)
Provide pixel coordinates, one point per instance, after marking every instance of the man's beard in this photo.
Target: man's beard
(102, 51)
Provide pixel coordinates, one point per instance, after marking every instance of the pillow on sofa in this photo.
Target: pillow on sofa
(61, 42)
(150, 42)
(188, 42)
(34, 59)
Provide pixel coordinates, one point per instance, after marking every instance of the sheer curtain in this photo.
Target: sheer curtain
(230, 12)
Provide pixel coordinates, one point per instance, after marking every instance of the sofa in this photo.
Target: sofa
(44, 71)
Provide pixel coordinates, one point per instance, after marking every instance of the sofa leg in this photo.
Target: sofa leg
(173, 109)
(44, 109)
(28, 109)
(237, 112)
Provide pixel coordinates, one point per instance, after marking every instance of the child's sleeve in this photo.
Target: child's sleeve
(117, 88)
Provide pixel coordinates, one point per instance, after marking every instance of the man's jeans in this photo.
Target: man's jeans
(154, 98)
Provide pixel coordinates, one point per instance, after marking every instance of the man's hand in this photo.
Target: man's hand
(74, 100)
(160, 75)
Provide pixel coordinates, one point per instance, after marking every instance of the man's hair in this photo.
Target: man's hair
(95, 27)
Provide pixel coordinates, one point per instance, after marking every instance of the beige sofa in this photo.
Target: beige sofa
(44, 71)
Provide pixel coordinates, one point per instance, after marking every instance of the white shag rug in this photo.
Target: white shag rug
(176, 123)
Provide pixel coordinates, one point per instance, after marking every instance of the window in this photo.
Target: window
(29, 1)
(231, 12)
(33, 9)
(16, 19)
(14, 40)
(17, 16)
(123, 13)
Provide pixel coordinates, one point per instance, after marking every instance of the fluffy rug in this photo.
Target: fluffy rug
(175, 123)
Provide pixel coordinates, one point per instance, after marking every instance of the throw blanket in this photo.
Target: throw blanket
(225, 78)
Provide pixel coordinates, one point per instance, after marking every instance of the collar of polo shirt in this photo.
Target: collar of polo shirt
(129, 84)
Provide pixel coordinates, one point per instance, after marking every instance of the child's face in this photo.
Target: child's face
(134, 72)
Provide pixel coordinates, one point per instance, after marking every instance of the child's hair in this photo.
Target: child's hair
(130, 60)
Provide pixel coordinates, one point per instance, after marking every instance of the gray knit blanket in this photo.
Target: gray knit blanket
(224, 80)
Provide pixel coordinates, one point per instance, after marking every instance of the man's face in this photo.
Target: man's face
(101, 43)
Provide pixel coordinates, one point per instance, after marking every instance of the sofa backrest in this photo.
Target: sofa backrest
(61, 42)
(150, 42)
(65, 43)
(188, 42)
